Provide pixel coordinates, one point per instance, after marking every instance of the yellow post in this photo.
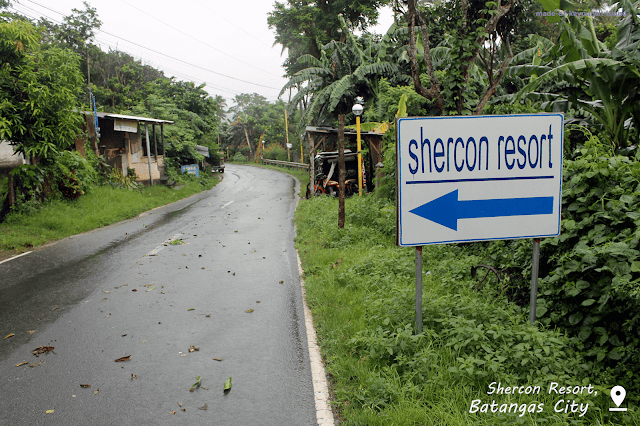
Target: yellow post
(359, 157)
(286, 128)
(301, 152)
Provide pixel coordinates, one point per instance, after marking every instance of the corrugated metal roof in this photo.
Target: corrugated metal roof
(143, 119)
(129, 117)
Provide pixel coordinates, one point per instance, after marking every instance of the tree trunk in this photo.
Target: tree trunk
(248, 143)
(341, 171)
(9, 200)
(312, 171)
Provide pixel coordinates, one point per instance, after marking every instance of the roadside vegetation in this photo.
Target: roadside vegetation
(360, 287)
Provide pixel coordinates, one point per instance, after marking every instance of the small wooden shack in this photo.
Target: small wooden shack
(325, 139)
(127, 143)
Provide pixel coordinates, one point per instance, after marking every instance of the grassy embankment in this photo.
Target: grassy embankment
(360, 288)
(100, 206)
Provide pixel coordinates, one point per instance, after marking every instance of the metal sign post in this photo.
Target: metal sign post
(535, 264)
(419, 289)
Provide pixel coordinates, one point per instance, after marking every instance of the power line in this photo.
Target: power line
(168, 56)
(198, 40)
(238, 27)
(33, 14)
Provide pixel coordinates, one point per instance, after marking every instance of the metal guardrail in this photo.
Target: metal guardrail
(286, 164)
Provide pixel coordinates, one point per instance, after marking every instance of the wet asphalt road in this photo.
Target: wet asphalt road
(78, 295)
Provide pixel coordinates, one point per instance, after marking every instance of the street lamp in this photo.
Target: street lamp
(357, 110)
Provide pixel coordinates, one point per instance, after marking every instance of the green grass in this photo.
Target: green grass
(100, 206)
(360, 287)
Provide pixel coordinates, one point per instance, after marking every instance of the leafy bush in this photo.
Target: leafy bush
(239, 157)
(590, 275)
(73, 162)
(275, 152)
(593, 288)
(118, 180)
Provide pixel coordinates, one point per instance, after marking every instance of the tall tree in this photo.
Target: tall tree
(343, 72)
(38, 92)
(303, 26)
(477, 33)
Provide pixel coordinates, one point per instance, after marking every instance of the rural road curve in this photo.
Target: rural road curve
(228, 285)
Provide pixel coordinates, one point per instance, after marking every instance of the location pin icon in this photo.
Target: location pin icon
(617, 394)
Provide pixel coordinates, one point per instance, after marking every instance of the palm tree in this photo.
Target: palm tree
(344, 71)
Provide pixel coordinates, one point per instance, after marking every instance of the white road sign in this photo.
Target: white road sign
(476, 178)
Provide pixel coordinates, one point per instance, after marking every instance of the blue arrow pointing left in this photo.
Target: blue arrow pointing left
(447, 209)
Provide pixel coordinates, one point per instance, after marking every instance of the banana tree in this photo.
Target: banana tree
(344, 71)
(603, 84)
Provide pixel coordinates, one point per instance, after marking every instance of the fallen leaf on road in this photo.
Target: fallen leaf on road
(42, 349)
(35, 364)
(31, 331)
(203, 407)
(204, 387)
(151, 288)
(208, 315)
(123, 335)
(180, 404)
(49, 411)
(173, 412)
(281, 282)
(249, 310)
(193, 348)
(124, 358)
(257, 301)
(95, 392)
(22, 363)
(135, 289)
(196, 384)
(143, 341)
(134, 376)
(191, 309)
(57, 307)
(106, 292)
(9, 335)
(227, 385)
(217, 359)
(85, 386)
(184, 409)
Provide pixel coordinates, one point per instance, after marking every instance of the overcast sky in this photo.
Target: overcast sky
(225, 44)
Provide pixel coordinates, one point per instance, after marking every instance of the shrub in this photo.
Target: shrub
(275, 152)
(590, 275)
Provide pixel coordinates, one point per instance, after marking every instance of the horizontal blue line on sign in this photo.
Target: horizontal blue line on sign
(415, 182)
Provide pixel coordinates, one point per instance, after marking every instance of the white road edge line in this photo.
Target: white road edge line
(156, 250)
(226, 205)
(15, 257)
(324, 414)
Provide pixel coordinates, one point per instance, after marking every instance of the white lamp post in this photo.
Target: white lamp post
(357, 110)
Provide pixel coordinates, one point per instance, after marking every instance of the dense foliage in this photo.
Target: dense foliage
(590, 274)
